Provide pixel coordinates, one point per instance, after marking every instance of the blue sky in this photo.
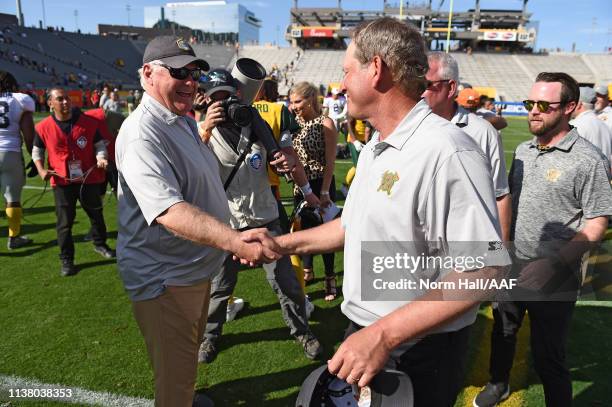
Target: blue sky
(587, 23)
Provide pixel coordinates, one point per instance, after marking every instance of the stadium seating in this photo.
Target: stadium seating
(89, 56)
(320, 67)
(600, 64)
(92, 59)
(501, 72)
(572, 64)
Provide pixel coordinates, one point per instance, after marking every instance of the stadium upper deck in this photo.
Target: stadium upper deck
(480, 29)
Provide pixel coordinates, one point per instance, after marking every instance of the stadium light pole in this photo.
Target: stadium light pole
(128, 8)
(450, 19)
(42, 2)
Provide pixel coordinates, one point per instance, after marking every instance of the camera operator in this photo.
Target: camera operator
(242, 141)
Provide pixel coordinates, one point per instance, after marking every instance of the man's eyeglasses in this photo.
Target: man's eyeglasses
(432, 84)
(542, 105)
(182, 73)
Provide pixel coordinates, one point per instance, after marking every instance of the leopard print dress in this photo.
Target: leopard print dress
(309, 144)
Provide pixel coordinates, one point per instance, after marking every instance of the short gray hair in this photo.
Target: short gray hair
(400, 46)
(155, 62)
(448, 68)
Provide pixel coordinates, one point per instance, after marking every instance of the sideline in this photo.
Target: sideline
(79, 396)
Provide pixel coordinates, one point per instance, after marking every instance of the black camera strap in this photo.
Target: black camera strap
(246, 150)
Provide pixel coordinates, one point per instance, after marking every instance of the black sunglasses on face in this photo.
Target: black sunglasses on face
(182, 73)
(542, 105)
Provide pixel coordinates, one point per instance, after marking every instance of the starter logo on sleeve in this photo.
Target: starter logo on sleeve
(82, 142)
(256, 161)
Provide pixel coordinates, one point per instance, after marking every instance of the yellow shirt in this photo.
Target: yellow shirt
(359, 131)
(272, 114)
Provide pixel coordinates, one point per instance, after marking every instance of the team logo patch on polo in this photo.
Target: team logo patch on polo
(82, 142)
(552, 175)
(387, 181)
(256, 161)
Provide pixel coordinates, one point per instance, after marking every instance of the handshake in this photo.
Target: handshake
(256, 246)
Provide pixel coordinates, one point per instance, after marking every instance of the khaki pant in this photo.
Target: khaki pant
(172, 325)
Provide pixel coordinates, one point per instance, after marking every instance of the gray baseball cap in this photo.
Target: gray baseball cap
(587, 95)
(601, 89)
(172, 51)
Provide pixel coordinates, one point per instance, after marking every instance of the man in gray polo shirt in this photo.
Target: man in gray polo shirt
(420, 179)
(173, 217)
(443, 77)
(561, 196)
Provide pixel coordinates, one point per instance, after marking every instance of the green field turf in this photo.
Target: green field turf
(79, 331)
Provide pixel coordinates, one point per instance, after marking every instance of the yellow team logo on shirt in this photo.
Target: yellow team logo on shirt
(387, 181)
(552, 175)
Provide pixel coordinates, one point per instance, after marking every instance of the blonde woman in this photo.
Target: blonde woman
(315, 145)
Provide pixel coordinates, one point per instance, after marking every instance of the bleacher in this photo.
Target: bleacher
(601, 65)
(320, 67)
(83, 56)
(501, 72)
(572, 64)
(95, 57)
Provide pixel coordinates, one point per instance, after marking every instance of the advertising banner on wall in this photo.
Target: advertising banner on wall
(499, 36)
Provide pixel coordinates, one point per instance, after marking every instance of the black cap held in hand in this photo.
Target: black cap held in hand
(172, 51)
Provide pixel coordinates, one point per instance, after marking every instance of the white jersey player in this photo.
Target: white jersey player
(336, 108)
(16, 121)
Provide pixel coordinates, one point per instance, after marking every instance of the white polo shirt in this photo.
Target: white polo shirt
(442, 192)
(489, 140)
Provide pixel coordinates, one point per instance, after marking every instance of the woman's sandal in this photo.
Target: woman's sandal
(308, 276)
(330, 288)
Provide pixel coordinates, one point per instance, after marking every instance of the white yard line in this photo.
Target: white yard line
(79, 396)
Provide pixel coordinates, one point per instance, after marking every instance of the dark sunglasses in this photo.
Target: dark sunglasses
(542, 105)
(182, 73)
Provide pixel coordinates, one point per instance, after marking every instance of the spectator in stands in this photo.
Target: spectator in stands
(114, 103)
(444, 193)
(315, 145)
(16, 123)
(602, 105)
(77, 158)
(173, 216)
(252, 205)
(443, 77)
(560, 185)
(588, 125)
